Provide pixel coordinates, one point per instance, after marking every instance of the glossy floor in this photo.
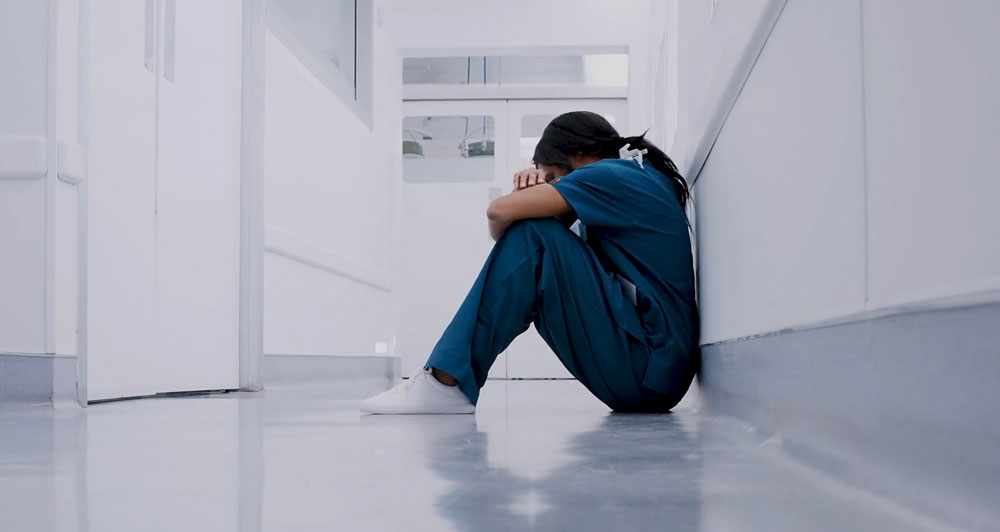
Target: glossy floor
(538, 455)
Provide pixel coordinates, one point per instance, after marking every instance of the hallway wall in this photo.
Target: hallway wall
(23, 161)
(42, 170)
(849, 237)
(781, 199)
(854, 172)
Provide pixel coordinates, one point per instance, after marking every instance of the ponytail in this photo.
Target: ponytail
(586, 133)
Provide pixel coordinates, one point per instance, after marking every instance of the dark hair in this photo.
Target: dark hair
(586, 133)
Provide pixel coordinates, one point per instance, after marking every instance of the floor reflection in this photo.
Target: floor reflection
(537, 456)
(630, 472)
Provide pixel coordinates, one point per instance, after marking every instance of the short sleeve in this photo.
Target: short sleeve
(598, 195)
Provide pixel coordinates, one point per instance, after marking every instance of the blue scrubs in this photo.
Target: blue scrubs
(617, 308)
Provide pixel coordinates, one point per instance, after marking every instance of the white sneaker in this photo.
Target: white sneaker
(420, 394)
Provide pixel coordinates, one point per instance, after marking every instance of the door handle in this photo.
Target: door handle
(170, 40)
(149, 58)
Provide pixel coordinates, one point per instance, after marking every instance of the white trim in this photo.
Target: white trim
(23, 157)
(251, 307)
(83, 86)
(149, 45)
(442, 91)
(29, 378)
(743, 47)
(304, 251)
(866, 236)
(169, 40)
(36, 355)
(290, 369)
(72, 162)
(970, 291)
(533, 51)
(364, 60)
(51, 178)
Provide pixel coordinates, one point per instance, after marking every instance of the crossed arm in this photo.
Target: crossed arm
(538, 201)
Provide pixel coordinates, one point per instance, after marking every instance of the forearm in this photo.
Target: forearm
(539, 201)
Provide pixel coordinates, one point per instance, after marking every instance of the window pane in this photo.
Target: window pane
(448, 149)
(326, 27)
(591, 70)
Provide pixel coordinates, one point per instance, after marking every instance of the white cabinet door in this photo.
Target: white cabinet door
(198, 179)
(121, 358)
(163, 196)
(528, 356)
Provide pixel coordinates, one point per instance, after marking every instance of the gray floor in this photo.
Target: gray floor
(538, 455)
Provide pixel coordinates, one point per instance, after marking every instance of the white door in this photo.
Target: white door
(121, 243)
(528, 356)
(198, 194)
(163, 231)
(444, 235)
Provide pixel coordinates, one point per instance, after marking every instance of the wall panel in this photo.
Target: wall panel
(781, 198)
(932, 80)
(22, 266)
(326, 198)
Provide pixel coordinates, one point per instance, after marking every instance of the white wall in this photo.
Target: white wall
(716, 45)
(42, 166)
(856, 169)
(780, 212)
(933, 127)
(24, 163)
(326, 203)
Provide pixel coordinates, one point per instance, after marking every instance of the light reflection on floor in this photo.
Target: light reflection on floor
(539, 455)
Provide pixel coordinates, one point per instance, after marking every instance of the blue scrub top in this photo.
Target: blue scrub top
(638, 230)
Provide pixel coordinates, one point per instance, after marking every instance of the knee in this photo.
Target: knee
(537, 230)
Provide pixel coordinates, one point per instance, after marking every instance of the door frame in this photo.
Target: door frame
(251, 304)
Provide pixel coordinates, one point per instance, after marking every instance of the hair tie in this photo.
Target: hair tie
(633, 155)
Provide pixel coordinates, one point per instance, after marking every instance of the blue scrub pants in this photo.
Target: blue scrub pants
(540, 272)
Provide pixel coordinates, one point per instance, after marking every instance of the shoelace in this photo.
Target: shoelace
(408, 383)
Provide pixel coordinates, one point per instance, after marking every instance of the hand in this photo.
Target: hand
(530, 177)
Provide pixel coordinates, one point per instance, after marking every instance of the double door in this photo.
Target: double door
(163, 196)
(450, 174)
